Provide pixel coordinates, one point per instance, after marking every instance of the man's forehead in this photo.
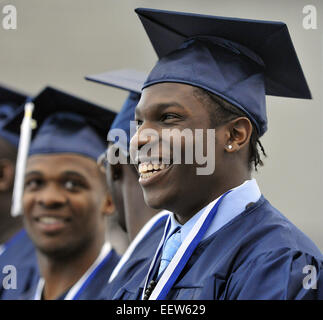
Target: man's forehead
(64, 162)
(164, 94)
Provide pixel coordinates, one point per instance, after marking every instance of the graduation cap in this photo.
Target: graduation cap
(67, 124)
(129, 80)
(11, 101)
(240, 60)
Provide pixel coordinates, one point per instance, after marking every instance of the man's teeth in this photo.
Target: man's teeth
(148, 169)
(49, 220)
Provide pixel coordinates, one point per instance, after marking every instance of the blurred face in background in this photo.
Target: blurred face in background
(64, 203)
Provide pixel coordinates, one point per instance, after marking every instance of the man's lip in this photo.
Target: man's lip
(149, 167)
(51, 223)
(51, 216)
(152, 159)
(155, 177)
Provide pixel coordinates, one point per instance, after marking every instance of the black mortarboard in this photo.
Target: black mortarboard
(67, 124)
(239, 60)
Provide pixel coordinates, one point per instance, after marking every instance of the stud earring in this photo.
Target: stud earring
(229, 146)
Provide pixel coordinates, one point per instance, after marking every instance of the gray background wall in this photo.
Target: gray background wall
(58, 42)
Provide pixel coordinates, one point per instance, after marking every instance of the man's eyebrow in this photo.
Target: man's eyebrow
(64, 173)
(72, 173)
(161, 106)
(33, 172)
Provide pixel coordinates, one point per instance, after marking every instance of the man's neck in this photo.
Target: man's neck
(138, 217)
(184, 214)
(61, 274)
(137, 213)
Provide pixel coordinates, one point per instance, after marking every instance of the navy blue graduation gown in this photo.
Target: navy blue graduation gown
(21, 254)
(99, 283)
(140, 258)
(259, 254)
(93, 290)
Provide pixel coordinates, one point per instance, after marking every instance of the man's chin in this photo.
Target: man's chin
(52, 251)
(158, 200)
(58, 251)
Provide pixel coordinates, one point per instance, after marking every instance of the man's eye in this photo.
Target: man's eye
(33, 184)
(169, 116)
(71, 185)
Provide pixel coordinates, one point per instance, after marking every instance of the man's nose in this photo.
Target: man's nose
(144, 136)
(51, 196)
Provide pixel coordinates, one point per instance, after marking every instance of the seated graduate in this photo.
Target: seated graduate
(144, 225)
(66, 200)
(223, 240)
(15, 246)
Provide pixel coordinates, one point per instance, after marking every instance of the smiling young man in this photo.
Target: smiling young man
(66, 200)
(223, 239)
(144, 225)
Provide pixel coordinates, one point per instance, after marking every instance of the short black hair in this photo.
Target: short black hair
(221, 112)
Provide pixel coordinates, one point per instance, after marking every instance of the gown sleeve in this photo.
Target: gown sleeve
(282, 274)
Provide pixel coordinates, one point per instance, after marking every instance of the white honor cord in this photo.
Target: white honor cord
(39, 289)
(133, 245)
(180, 252)
(23, 148)
(74, 290)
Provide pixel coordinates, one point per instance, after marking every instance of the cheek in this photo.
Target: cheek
(28, 203)
(192, 145)
(133, 146)
(87, 205)
(81, 204)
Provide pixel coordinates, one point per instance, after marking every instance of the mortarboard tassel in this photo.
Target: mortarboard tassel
(24, 141)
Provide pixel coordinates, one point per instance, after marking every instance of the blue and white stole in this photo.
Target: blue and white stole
(145, 230)
(183, 253)
(83, 282)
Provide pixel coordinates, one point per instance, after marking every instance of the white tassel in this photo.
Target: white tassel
(23, 148)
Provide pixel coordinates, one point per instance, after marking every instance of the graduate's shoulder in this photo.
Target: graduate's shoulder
(259, 229)
(276, 231)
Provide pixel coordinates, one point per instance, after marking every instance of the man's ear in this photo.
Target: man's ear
(239, 133)
(7, 174)
(108, 208)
